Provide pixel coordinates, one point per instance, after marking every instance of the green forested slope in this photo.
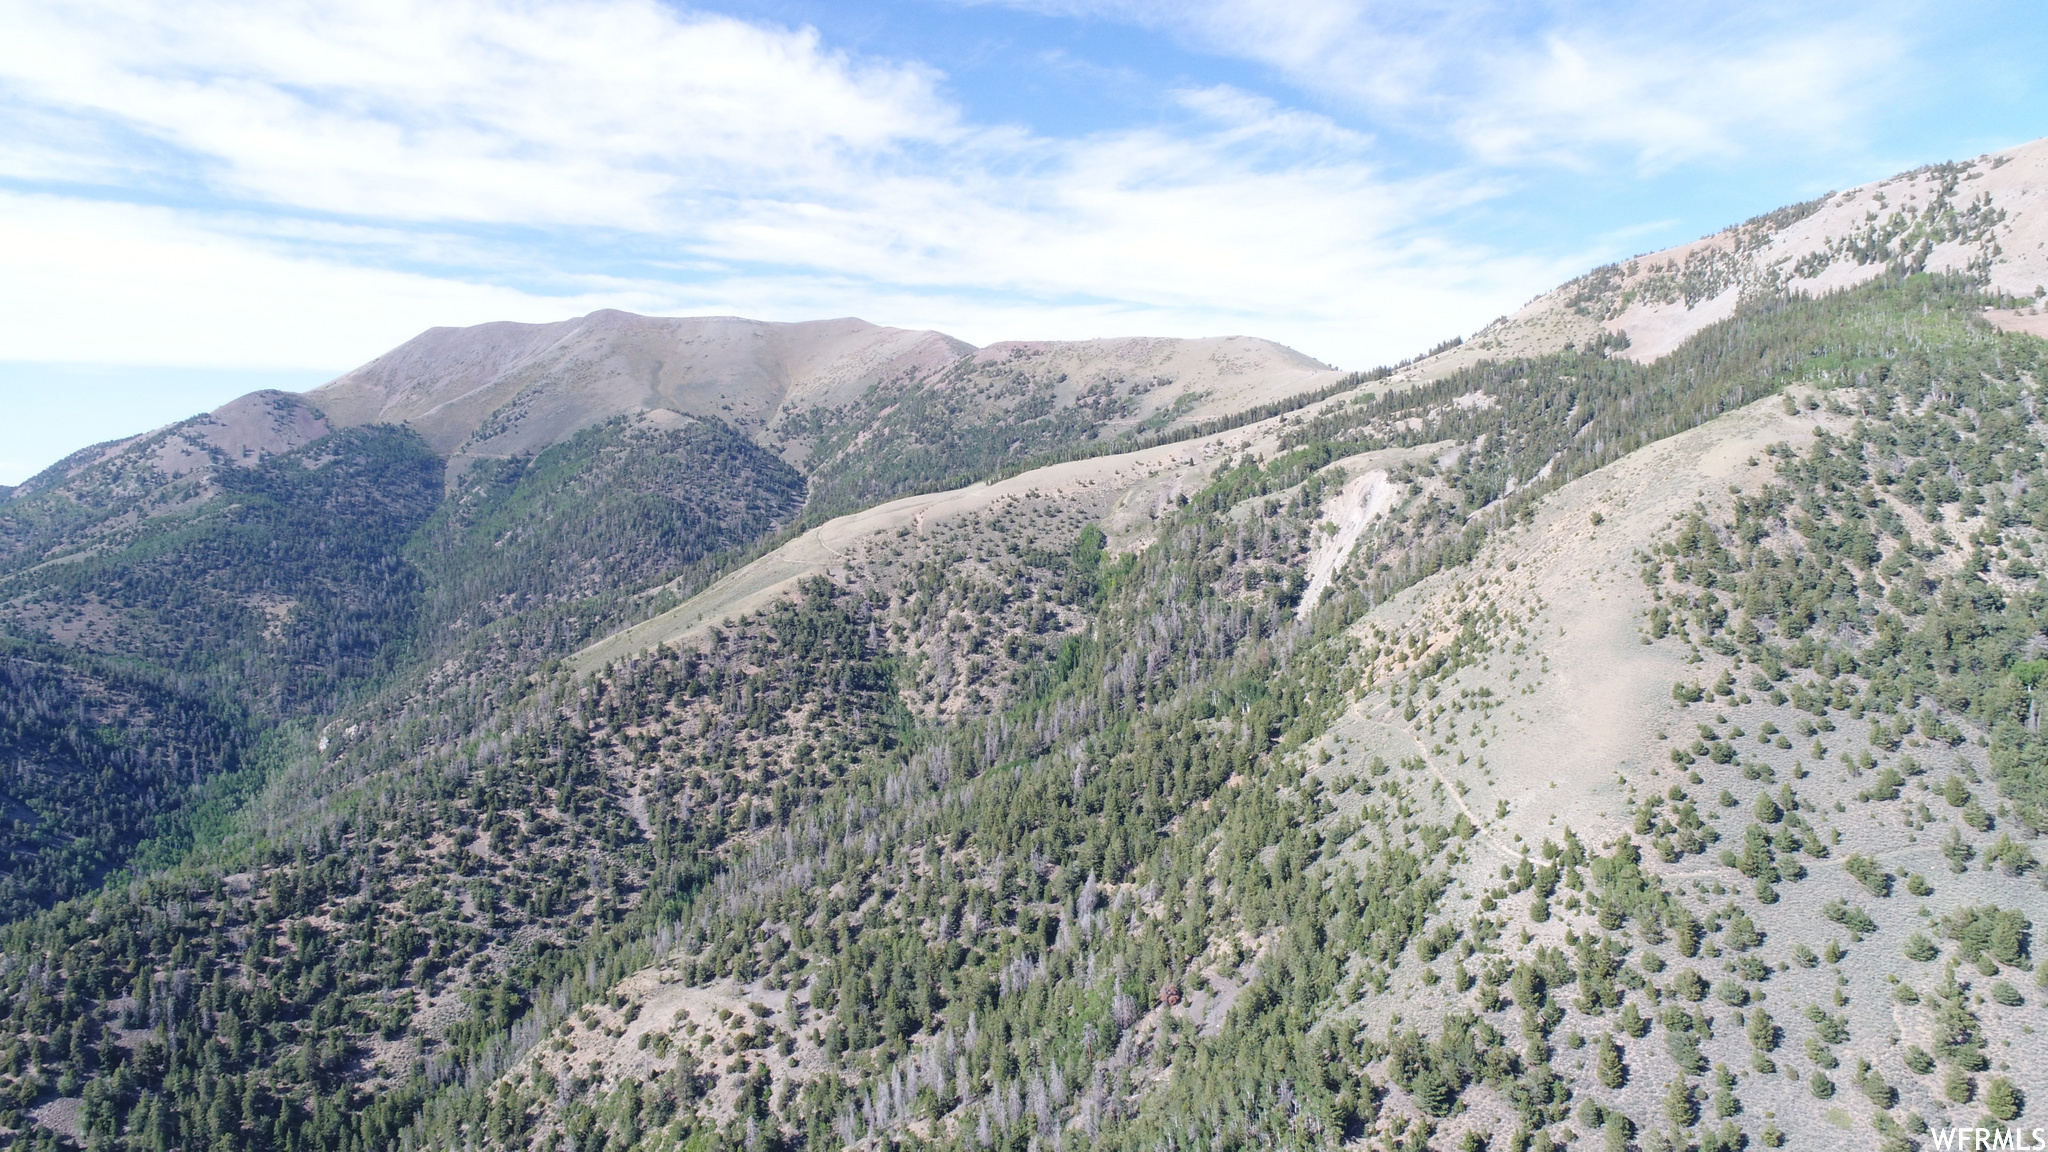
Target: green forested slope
(996, 924)
(99, 757)
(99, 496)
(145, 668)
(953, 427)
(615, 508)
(1838, 568)
(285, 583)
(281, 589)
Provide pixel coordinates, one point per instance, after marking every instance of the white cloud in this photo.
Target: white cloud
(109, 283)
(1671, 102)
(351, 173)
(1556, 81)
(600, 112)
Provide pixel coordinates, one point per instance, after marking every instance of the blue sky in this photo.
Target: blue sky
(201, 198)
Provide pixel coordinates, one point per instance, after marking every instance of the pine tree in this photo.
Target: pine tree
(1679, 1105)
(1763, 1031)
(2001, 1099)
(1633, 1022)
(1609, 1066)
(1617, 1131)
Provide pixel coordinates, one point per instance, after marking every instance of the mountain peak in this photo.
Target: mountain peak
(1986, 218)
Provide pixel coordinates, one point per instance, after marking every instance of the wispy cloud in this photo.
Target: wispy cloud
(376, 167)
(1558, 82)
(612, 114)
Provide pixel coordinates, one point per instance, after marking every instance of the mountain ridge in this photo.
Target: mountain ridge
(570, 373)
(545, 381)
(1655, 300)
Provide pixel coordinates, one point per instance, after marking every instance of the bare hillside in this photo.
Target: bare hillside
(503, 389)
(1987, 216)
(498, 390)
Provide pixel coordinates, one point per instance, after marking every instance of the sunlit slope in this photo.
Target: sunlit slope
(1634, 819)
(1124, 493)
(1984, 217)
(867, 409)
(502, 389)
(1563, 751)
(1823, 852)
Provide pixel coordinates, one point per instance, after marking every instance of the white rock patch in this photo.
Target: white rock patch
(1364, 498)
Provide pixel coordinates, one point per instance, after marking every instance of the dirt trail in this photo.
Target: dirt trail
(1390, 720)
